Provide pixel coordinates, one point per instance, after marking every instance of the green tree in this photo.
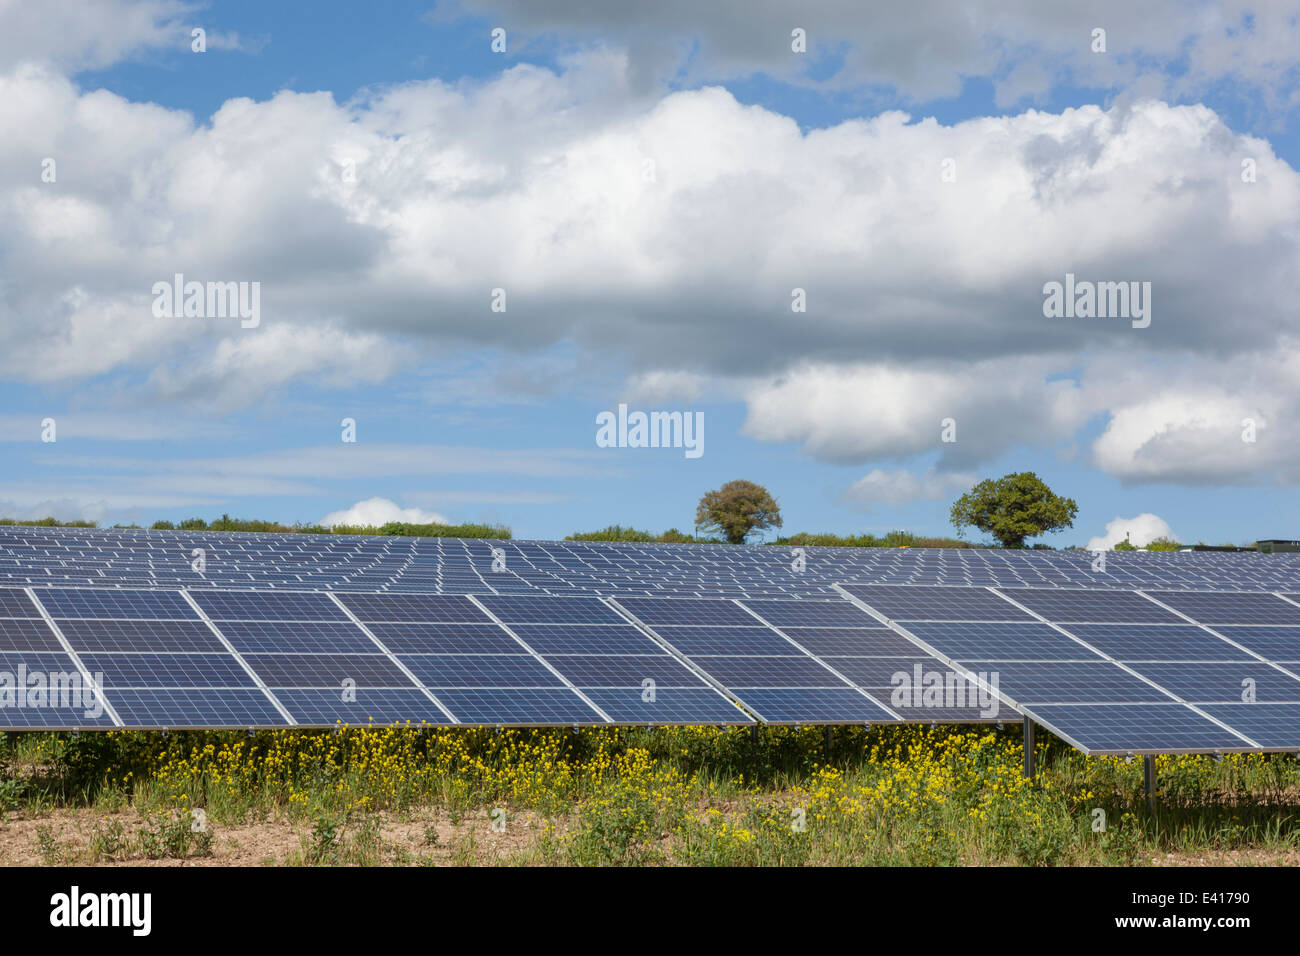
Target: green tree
(1163, 544)
(1125, 545)
(1013, 508)
(737, 510)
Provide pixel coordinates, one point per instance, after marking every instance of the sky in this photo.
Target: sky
(824, 233)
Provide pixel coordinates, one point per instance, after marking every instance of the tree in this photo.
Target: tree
(738, 509)
(1012, 508)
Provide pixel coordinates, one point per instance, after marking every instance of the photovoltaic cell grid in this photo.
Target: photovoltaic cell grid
(1206, 670)
(1121, 672)
(792, 661)
(611, 663)
(114, 558)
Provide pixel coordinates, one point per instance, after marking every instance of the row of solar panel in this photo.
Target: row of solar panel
(256, 658)
(126, 557)
(1119, 672)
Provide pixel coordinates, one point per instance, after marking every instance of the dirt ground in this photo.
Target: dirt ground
(402, 839)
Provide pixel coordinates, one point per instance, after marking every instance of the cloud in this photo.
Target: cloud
(902, 487)
(375, 512)
(74, 34)
(379, 228)
(852, 414)
(1141, 531)
(925, 49)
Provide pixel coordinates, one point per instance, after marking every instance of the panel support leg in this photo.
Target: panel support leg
(827, 741)
(1029, 748)
(1149, 775)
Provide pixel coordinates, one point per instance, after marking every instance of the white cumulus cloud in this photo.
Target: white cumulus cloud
(380, 511)
(1141, 530)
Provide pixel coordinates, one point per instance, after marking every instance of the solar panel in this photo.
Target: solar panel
(1187, 642)
(519, 706)
(142, 605)
(1224, 682)
(14, 603)
(1231, 608)
(190, 707)
(790, 644)
(19, 635)
(167, 670)
(368, 705)
(1095, 683)
(267, 606)
(905, 603)
(1134, 728)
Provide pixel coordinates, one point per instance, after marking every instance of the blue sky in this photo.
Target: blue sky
(379, 170)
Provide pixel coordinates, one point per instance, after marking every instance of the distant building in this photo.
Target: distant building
(1276, 546)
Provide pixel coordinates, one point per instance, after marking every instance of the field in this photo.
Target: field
(910, 795)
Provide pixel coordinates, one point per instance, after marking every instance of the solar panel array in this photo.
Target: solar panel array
(1119, 671)
(171, 559)
(1141, 652)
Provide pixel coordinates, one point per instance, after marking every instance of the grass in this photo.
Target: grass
(671, 796)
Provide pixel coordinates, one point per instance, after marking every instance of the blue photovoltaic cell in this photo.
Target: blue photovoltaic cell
(625, 671)
(321, 637)
(804, 705)
(1269, 725)
(88, 603)
(320, 707)
(1129, 728)
(445, 638)
(1179, 642)
(515, 706)
(550, 639)
(167, 670)
(1015, 642)
(480, 670)
(1227, 607)
(657, 611)
(812, 614)
(1067, 682)
(728, 641)
(267, 606)
(14, 603)
(1222, 683)
(737, 672)
(541, 610)
(875, 672)
(972, 713)
(415, 608)
(192, 707)
(54, 718)
(1276, 643)
(19, 635)
(851, 642)
(184, 636)
(1062, 606)
(326, 670)
(904, 603)
(34, 663)
(671, 705)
